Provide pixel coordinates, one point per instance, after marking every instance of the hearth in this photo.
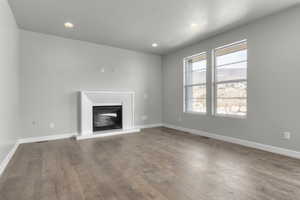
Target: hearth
(107, 117)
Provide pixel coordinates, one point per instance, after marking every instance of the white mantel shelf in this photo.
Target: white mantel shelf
(104, 98)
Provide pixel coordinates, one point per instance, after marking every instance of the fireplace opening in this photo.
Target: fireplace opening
(107, 117)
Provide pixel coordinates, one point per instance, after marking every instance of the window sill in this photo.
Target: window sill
(231, 116)
(195, 113)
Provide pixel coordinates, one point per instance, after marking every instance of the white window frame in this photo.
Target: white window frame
(200, 84)
(215, 83)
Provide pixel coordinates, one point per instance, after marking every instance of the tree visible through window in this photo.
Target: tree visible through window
(195, 83)
(231, 79)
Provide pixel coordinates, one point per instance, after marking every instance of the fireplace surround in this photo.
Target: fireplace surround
(90, 100)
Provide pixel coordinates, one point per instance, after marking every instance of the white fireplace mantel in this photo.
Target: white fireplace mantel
(104, 98)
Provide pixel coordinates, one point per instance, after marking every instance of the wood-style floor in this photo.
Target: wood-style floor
(156, 164)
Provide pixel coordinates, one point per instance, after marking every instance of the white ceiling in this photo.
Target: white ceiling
(136, 24)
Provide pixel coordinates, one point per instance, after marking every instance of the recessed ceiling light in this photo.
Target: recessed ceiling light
(154, 45)
(69, 25)
(194, 25)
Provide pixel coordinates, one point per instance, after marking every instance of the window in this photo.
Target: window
(195, 83)
(230, 79)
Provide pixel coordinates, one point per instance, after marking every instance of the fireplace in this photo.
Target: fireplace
(95, 109)
(107, 117)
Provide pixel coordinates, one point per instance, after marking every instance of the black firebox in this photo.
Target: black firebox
(107, 117)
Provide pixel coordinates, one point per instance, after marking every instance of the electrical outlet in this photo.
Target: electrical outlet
(287, 135)
(52, 125)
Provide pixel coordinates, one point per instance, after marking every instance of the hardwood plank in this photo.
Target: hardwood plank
(156, 164)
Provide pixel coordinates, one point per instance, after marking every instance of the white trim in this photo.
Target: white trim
(264, 147)
(148, 126)
(8, 157)
(232, 63)
(195, 113)
(46, 138)
(107, 104)
(133, 109)
(232, 44)
(231, 81)
(107, 133)
(106, 92)
(231, 116)
(69, 135)
(195, 55)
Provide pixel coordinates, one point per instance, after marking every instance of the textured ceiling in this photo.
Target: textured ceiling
(136, 24)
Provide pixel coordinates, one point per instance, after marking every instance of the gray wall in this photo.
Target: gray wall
(273, 83)
(54, 69)
(9, 85)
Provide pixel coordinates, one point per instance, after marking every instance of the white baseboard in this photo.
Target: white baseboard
(148, 126)
(108, 133)
(264, 147)
(69, 135)
(8, 157)
(46, 138)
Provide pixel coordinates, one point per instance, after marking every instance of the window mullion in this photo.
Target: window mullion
(232, 63)
(193, 85)
(231, 81)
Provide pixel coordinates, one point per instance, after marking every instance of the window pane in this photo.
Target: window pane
(232, 98)
(232, 107)
(196, 98)
(196, 105)
(232, 72)
(197, 77)
(195, 72)
(231, 54)
(197, 65)
(232, 90)
(196, 92)
(238, 56)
